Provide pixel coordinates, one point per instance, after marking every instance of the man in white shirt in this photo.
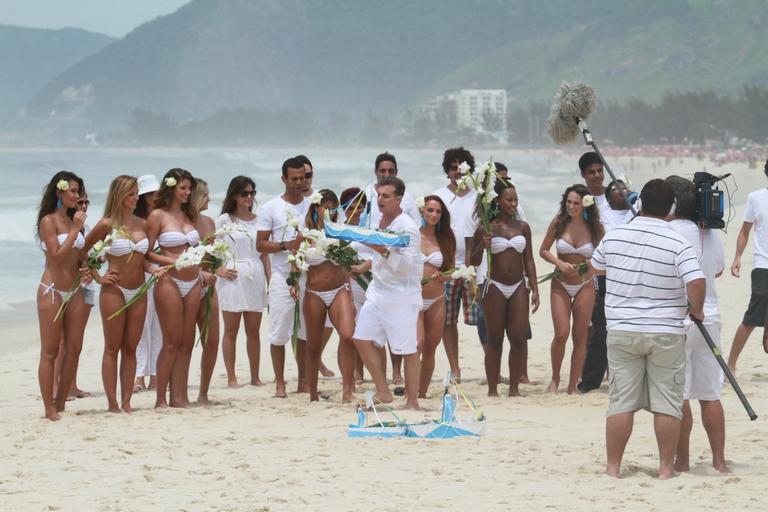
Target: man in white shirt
(703, 375)
(652, 275)
(278, 237)
(461, 205)
(386, 165)
(393, 299)
(755, 214)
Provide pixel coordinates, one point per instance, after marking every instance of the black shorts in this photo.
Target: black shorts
(758, 302)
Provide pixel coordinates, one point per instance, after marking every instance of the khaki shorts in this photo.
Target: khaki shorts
(647, 371)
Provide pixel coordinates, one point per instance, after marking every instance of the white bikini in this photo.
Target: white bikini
(586, 250)
(123, 247)
(436, 260)
(49, 288)
(176, 239)
(500, 244)
(314, 258)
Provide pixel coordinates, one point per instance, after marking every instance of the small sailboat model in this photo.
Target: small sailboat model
(366, 235)
(447, 427)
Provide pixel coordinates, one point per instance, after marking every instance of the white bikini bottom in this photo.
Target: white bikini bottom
(330, 295)
(507, 290)
(49, 289)
(572, 289)
(185, 286)
(427, 303)
(128, 293)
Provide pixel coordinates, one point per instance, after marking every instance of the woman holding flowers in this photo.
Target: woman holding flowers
(120, 237)
(438, 245)
(575, 232)
(177, 295)
(242, 283)
(506, 296)
(327, 293)
(208, 313)
(59, 305)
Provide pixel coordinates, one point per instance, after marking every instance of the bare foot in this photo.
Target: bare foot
(348, 398)
(325, 371)
(398, 380)
(493, 392)
(720, 466)
(52, 414)
(572, 390)
(612, 471)
(681, 466)
(114, 409)
(232, 383)
(302, 387)
(179, 404)
(552, 388)
(514, 392)
(203, 400)
(152, 382)
(412, 406)
(79, 393)
(127, 408)
(256, 382)
(71, 397)
(385, 398)
(524, 379)
(280, 390)
(161, 404)
(666, 474)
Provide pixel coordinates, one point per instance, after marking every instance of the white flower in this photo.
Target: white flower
(316, 198)
(463, 272)
(587, 201)
(291, 258)
(191, 257)
(170, 182)
(98, 246)
(304, 266)
(62, 185)
(490, 195)
(420, 202)
(464, 168)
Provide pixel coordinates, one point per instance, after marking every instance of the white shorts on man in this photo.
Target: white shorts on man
(393, 300)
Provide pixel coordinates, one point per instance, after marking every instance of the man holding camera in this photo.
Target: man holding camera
(703, 375)
(653, 282)
(755, 213)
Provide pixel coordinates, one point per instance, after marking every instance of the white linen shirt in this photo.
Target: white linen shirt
(756, 213)
(272, 217)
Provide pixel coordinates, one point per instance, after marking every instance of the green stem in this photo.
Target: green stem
(70, 294)
(296, 326)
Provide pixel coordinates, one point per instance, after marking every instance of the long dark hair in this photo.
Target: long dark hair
(313, 219)
(164, 195)
(593, 215)
(446, 240)
(49, 200)
(142, 205)
(236, 186)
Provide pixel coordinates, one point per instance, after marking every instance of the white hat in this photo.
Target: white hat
(148, 183)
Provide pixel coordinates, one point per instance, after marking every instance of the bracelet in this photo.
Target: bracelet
(385, 254)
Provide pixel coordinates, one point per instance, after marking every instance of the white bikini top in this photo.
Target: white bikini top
(123, 246)
(564, 247)
(435, 259)
(177, 238)
(501, 244)
(79, 241)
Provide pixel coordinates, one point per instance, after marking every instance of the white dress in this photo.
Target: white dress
(248, 292)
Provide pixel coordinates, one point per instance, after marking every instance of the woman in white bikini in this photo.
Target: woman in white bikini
(505, 301)
(206, 227)
(328, 293)
(126, 258)
(575, 232)
(177, 294)
(242, 283)
(438, 245)
(59, 226)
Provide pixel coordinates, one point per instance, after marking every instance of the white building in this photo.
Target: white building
(475, 108)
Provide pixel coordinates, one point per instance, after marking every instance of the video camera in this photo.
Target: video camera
(710, 200)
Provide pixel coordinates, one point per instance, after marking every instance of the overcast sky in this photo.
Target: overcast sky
(112, 17)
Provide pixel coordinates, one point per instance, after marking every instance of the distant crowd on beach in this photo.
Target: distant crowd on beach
(393, 274)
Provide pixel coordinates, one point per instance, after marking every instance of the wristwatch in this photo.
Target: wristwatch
(282, 246)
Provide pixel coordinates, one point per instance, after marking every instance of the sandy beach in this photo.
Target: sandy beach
(252, 452)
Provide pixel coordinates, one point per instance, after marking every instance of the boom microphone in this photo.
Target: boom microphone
(572, 106)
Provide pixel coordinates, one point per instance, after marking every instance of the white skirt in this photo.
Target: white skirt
(248, 292)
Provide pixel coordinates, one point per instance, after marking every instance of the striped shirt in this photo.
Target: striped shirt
(647, 266)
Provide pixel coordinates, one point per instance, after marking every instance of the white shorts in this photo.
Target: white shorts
(281, 310)
(703, 375)
(394, 324)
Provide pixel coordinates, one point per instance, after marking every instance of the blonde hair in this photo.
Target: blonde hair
(197, 197)
(119, 189)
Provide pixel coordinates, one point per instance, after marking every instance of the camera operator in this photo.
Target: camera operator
(756, 213)
(703, 376)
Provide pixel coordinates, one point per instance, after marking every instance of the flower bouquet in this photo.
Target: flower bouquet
(460, 272)
(216, 253)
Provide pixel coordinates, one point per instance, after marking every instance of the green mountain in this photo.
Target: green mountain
(30, 58)
(357, 56)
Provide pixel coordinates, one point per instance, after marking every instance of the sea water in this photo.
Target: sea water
(539, 177)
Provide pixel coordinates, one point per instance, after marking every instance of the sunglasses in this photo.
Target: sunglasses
(308, 175)
(247, 193)
(83, 202)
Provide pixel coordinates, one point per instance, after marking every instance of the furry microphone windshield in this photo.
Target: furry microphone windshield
(574, 102)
